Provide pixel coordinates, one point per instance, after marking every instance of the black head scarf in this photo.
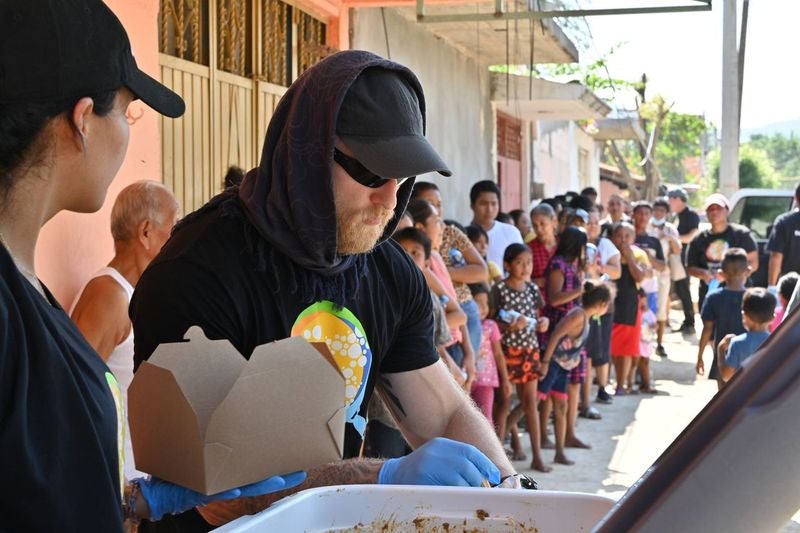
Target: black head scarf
(289, 197)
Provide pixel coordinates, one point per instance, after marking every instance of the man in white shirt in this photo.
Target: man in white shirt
(484, 199)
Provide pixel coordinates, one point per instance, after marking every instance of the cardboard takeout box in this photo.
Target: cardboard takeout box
(204, 417)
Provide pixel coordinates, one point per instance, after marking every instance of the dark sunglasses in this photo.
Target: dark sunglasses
(359, 172)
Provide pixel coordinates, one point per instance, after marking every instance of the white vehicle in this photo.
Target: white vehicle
(757, 209)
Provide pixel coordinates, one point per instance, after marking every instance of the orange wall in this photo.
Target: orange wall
(72, 246)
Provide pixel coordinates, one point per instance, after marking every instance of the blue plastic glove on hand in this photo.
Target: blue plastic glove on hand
(440, 462)
(163, 497)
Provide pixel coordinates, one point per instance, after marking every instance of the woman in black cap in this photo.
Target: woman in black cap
(67, 76)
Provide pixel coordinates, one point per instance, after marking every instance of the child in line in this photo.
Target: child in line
(786, 285)
(718, 312)
(447, 314)
(563, 353)
(758, 310)
(516, 295)
(491, 372)
(647, 343)
(480, 239)
(543, 220)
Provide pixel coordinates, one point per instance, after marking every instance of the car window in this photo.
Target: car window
(759, 212)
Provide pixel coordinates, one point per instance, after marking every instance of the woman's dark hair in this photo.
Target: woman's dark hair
(515, 214)
(233, 177)
(595, 293)
(421, 187)
(420, 210)
(786, 285)
(455, 224)
(504, 217)
(22, 141)
(475, 232)
(515, 250)
(571, 243)
(414, 235)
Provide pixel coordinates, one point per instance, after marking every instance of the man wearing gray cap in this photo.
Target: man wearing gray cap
(302, 247)
(688, 223)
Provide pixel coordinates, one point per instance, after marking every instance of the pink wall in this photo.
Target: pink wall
(72, 246)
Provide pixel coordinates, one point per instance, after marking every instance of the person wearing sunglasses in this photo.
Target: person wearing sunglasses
(302, 247)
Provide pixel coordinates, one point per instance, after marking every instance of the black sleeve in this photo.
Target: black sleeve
(170, 297)
(694, 256)
(8, 359)
(693, 221)
(746, 241)
(777, 237)
(659, 250)
(413, 346)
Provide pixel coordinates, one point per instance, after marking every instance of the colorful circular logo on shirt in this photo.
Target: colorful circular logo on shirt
(716, 250)
(344, 335)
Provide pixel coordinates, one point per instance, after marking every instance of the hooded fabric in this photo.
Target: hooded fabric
(289, 197)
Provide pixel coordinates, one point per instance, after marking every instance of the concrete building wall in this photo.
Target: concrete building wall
(566, 158)
(460, 119)
(72, 246)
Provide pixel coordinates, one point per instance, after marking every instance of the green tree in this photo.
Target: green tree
(783, 152)
(755, 170)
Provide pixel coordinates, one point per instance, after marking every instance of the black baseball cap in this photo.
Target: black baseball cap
(381, 122)
(55, 50)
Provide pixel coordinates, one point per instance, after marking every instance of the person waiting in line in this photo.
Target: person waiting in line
(667, 235)
(492, 374)
(786, 285)
(522, 222)
(598, 349)
(615, 213)
(427, 220)
(464, 264)
(63, 137)
(484, 200)
(141, 220)
(515, 304)
(563, 353)
(646, 344)
(719, 311)
(758, 312)
(543, 219)
(626, 332)
(480, 239)
(688, 225)
(563, 289)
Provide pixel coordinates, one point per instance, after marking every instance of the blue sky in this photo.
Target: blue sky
(682, 56)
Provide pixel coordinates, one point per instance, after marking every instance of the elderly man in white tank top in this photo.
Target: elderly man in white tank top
(141, 220)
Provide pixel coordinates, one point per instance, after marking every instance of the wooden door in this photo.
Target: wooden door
(509, 161)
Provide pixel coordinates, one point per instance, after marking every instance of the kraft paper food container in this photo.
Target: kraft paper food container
(204, 417)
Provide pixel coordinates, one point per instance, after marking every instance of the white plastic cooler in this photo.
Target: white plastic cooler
(394, 508)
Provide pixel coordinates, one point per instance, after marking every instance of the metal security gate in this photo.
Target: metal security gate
(231, 61)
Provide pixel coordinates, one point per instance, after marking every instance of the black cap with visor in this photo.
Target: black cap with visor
(56, 50)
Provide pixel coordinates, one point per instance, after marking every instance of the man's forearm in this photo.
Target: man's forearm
(775, 264)
(469, 425)
(349, 472)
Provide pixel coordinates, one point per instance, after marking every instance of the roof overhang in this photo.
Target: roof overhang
(498, 42)
(537, 99)
(619, 129)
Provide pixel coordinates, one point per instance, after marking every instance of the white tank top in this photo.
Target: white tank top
(120, 362)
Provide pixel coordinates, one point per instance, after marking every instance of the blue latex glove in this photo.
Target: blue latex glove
(440, 462)
(163, 497)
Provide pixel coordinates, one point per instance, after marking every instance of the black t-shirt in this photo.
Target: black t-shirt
(204, 276)
(707, 249)
(59, 462)
(785, 239)
(648, 242)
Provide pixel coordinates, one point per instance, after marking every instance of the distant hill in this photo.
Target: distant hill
(786, 128)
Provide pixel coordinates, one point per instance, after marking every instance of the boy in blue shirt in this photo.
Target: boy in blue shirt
(758, 310)
(719, 308)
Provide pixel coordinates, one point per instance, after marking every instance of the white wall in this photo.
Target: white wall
(460, 121)
(557, 158)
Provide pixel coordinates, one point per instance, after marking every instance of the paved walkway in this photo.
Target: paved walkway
(635, 430)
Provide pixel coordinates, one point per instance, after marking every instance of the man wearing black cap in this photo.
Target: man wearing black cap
(688, 226)
(302, 248)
